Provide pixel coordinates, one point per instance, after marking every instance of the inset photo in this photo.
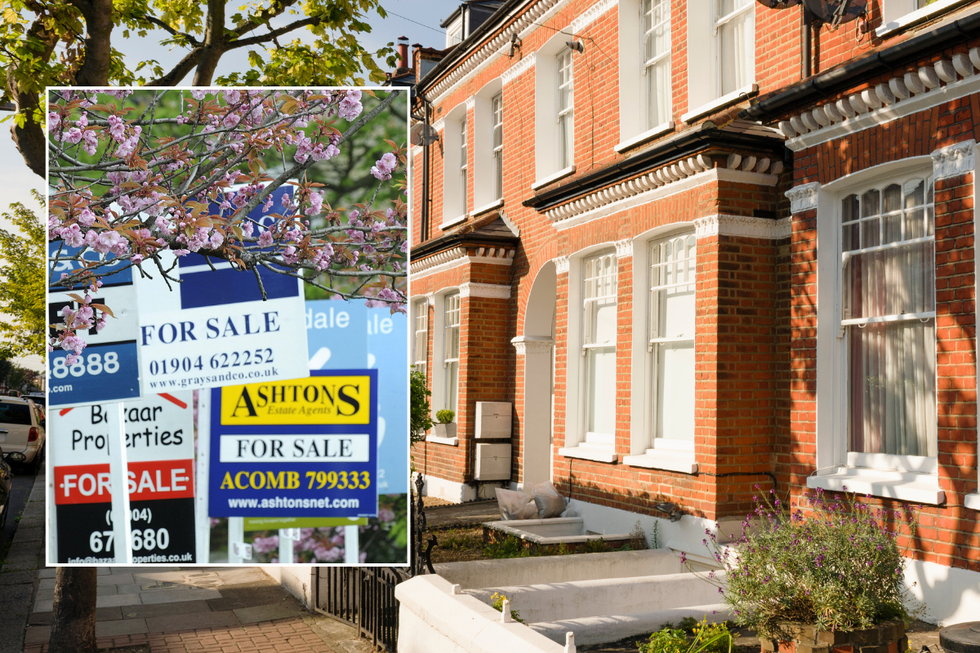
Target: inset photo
(227, 367)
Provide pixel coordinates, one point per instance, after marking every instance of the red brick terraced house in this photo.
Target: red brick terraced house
(688, 251)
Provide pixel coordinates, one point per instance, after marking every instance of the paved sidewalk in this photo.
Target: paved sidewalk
(162, 610)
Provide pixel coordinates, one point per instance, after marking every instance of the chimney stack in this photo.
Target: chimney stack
(403, 54)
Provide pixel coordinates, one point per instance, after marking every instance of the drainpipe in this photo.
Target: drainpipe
(426, 126)
(807, 46)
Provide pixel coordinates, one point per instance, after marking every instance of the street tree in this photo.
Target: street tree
(147, 176)
(22, 293)
(53, 43)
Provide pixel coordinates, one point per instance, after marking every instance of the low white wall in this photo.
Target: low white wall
(431, 619)
(612, 628)
(297, 580)
(591, 598)
(951, 595)
(559, 569)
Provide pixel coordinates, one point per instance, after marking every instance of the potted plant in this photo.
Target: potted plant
(444, 426)
(825, 580)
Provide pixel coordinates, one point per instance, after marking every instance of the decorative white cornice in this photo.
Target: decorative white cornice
(954, 160)
(561, 265)
(439, 125)
(532, 345)
(590, 16)
(741, 226)
(803, 197)
(470, 103)
(458, 256)
(487, 290)
(415, 151)
(518, 69)
(624, 248)
(902, 95)
(430, 298)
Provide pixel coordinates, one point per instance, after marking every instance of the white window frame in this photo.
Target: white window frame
(548, 167)
(898, 15)
(580, 442)
(634, 124)
(565, 115)
(497, 143)
(486, 151)
(649, 451)
(452, 312)
(908, 478)
(454, 168)
(420, 343)
(464, 167)
(703, 28)
(972, 500)
(454, 31)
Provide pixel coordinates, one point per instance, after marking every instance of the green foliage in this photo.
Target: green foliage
(445, 416)
(498, 605)
(456, 540)
(509, 547)
(22, 300)
(420, 422)
(596, 546)
(638, 540)
(837, 566)
(655, 535)
(707, 638)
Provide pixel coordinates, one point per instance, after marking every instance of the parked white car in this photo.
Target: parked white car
(22, 432)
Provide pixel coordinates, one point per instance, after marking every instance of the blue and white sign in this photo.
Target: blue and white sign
(297, 448)
(108, 367)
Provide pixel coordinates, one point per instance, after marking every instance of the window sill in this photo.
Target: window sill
(561, 174)
(724, 100)
(452, 442)
(904, 486)
(496, 204)
(645, 136)
(590, 452)
(913, 18)
(674, 461)
(972, 501)
(449, 223)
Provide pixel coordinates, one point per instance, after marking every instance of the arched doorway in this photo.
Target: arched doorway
(537, 348)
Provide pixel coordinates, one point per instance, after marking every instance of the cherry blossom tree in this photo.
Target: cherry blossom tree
(142, 176)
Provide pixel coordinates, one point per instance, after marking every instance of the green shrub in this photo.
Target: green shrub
(419, 395)
(445, 416)
(498, 605)
(707, 638)
(838, 566)
(509, 547)
(596, 546)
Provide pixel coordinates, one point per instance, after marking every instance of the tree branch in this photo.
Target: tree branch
(265, 38)
(179, 71)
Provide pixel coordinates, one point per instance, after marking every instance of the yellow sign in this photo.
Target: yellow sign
(314, 400)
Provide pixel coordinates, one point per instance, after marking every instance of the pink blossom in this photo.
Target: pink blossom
(265, 238)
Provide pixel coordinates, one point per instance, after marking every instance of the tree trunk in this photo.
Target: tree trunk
(73, 628)
(98, 33)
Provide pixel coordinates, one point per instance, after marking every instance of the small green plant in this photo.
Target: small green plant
(420, 421)
(457, 541)
(509, 547)
(707, 638)
(445, 416)
(655, 535)
(498, 605)
(596, 546)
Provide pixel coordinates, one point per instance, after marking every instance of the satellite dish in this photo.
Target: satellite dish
(421, 136)
(836, 12)
(779, 4)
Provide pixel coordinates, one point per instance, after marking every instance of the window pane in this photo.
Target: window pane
(675, 389)
(890, 282)
(736, 42)
(892, 406)
(601, 382)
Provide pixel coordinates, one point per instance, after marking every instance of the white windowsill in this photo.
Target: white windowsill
(724, 100)
(585, 451)
(917, 16)
(454, 221)
(645, 136)
(674, 461)
(904, 486)
(496, 204)
(972, 501)
(561, 174)
(452, 442)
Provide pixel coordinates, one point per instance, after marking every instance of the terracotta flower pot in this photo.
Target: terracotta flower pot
(886, 637)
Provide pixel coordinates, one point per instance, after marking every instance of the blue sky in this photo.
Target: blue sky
(416, 19)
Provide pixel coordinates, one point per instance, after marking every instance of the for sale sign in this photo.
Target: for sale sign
(108, 368)
(299, 448)
(159, 433)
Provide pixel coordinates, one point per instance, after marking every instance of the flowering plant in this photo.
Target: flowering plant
(838, 566)
(143, 176)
